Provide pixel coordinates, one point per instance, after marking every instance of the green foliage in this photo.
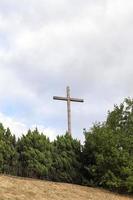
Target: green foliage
(40, 158)
(108, 150)
(34, 151)
(8, 153)
(66, 160)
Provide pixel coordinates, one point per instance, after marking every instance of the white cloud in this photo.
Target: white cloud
(49, 132)
(17, 128)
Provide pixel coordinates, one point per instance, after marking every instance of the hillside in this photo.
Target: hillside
(13, 188)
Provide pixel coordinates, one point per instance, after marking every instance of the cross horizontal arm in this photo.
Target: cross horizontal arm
(76, 100)
(59, 98)
(66, 99)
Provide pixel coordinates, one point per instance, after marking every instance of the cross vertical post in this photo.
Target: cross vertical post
(68, 110)
(68, 99)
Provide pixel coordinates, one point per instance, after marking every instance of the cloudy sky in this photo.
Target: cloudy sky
(46, 45)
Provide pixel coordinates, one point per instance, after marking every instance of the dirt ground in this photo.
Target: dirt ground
(12, 188)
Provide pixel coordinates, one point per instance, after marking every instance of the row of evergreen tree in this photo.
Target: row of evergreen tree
(105, 159)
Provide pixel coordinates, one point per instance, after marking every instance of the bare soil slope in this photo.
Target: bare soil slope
(13, 188)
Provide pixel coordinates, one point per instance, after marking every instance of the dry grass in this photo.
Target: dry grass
(12, 188)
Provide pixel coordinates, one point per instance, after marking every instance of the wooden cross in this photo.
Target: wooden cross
(68, 99)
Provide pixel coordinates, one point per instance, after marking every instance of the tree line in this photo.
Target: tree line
(104, 160)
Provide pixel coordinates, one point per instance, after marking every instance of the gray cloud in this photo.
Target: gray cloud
(50, 44)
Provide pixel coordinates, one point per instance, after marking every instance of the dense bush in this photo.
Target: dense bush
(108, 150)
(105, 159)
(40, 158)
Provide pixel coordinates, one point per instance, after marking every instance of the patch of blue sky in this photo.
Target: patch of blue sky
(25, 112)
(15, 109)
(4, 42)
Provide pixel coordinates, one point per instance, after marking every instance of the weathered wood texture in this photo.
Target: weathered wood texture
(68, 99)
